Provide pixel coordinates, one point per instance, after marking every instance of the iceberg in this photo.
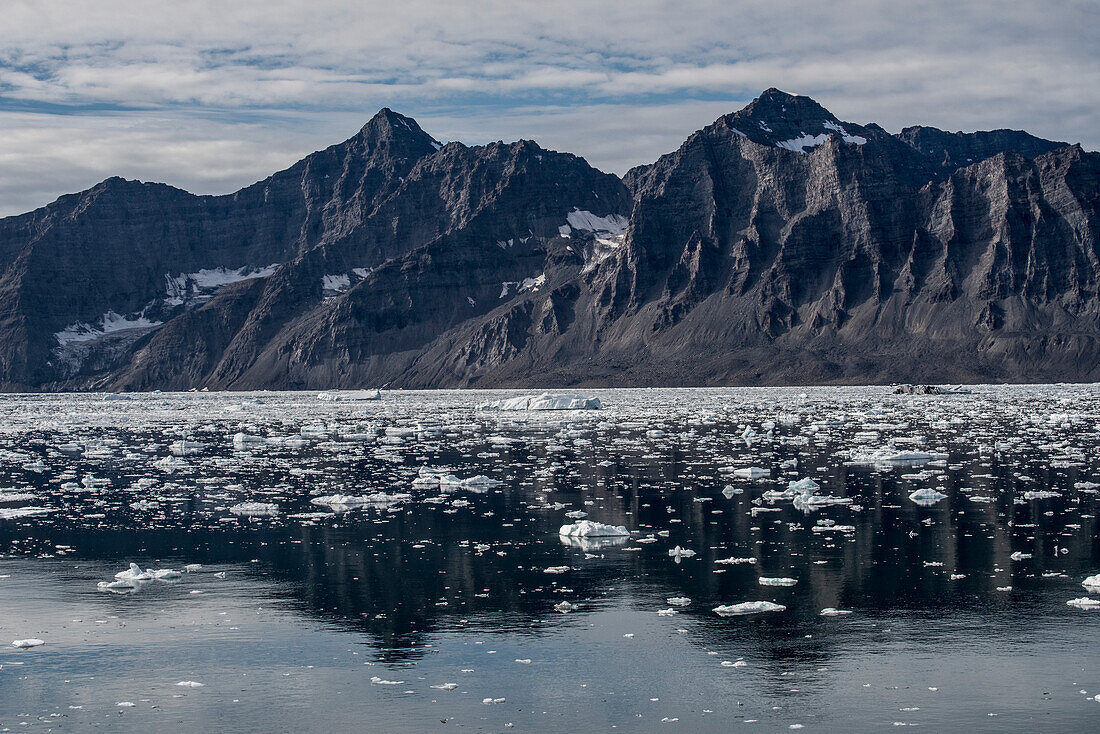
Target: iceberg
(546, 401)
(590, 529)
(927, 497)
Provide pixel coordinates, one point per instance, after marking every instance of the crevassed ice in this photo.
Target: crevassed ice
(110, 322)
(180, 287)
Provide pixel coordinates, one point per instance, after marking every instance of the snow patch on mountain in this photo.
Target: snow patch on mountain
(337, 283)
(586, 221)
(202, 284)
(109, 323)
(799, 144)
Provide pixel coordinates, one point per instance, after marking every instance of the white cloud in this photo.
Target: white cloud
(617, 82)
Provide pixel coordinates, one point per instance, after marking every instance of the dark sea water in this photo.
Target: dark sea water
(435, 611)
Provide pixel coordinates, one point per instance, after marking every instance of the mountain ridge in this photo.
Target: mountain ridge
(778, 244)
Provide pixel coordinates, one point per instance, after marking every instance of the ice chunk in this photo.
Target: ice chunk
(190, 684)
(748, 607)
(134, 573)
(833, 612)
(1092, 582)
(1084, 602)
(29, 642)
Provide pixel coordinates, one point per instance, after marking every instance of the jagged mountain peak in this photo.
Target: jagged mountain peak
(795, 122)
(389, 127)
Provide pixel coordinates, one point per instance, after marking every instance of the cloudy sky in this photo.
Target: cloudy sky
(211, 95)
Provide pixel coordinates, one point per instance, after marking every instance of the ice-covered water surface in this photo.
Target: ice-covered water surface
(309, 563)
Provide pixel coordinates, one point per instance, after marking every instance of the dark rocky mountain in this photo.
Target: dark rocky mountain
(777, 245)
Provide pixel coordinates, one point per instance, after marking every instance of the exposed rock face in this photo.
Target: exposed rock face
(779, 244)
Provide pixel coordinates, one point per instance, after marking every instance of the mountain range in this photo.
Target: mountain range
(778, 245)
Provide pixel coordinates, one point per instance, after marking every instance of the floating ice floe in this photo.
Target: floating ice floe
(776, 581)
(677, 553)
(186, 448)
(255, 509)
(29, 642)
(1092, 582)
(334, 396)
(888, 458)
(833, 612)
(927, 497)
(546, 401)
(1040, 494)
(748, 607)
(190, 684)
(565, 607)
(344, 502)
(14, 513)
(1084, 602)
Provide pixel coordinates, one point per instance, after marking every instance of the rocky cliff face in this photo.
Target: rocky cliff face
(779, 244)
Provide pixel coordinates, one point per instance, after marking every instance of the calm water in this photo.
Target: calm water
(314, 617)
